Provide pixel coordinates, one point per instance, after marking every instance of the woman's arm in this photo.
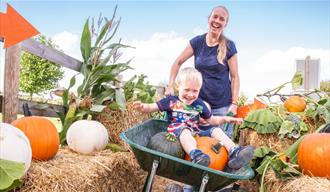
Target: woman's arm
(235, 82)
(186, 54)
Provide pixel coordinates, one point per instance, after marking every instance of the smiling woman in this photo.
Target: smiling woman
(215, 57)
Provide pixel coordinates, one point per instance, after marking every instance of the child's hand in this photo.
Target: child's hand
(138, 105)
(233, 120)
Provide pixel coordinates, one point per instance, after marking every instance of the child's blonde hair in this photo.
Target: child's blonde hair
(189, 74)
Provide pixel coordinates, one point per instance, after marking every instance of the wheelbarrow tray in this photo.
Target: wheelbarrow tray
(172, 167)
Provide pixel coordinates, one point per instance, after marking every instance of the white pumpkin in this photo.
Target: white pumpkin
(87, 136)
(14, 145)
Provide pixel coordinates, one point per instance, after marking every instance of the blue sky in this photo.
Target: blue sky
(269, 35)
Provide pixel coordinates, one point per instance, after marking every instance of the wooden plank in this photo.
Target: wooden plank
(41, 50)
(37, 108)
(10, 99)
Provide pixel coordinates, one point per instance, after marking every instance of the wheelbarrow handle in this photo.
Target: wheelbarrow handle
(226, 126)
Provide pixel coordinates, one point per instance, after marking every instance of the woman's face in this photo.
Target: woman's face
(218, 20)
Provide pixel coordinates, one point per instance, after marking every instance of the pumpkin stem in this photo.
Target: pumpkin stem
(89, 117)
(216, 147)
(283, 98)
(170, 137)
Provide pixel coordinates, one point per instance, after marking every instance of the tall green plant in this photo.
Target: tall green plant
(140, 90)
(100, 69)
(37, 74)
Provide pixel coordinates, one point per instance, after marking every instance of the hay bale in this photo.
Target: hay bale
(118, 121)
(307, 184)
(249, 185)
(251, 137)
(303, 183)
(102, 171)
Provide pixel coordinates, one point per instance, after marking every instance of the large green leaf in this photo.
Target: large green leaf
(262, 116)
(262, 151)
(104, 30)
(10, 173)
(85, 43)
(120, 99)
(286, 128)
(104, 96)
(266, 160)
(263, 121)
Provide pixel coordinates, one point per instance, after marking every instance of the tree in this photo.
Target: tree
(37, 74)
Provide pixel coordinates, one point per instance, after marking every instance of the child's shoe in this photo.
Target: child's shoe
(197, 156)
(240, 156)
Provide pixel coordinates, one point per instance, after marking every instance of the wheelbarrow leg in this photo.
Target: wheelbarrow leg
(151, 174)
(204, 183)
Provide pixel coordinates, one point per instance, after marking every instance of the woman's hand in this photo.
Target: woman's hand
(233, 109)
(169, 90)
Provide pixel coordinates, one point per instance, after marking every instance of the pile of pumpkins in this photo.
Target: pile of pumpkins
(313, 151)
(37, 138)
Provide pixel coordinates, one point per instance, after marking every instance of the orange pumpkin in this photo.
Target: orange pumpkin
(295, 104)
(314, 155)
(243, 111)
(218, 160)
(42, 135)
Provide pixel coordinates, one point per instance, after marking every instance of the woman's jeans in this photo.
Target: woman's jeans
(223, 112)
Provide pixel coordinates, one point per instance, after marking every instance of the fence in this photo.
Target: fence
(10, 104)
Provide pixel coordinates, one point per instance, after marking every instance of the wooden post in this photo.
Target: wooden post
(11, 83)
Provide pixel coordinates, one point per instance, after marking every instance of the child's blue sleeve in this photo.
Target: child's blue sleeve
(164, 104)
(206, 113)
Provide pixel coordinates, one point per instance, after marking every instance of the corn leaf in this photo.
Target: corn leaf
(120, 99)
(85, 43)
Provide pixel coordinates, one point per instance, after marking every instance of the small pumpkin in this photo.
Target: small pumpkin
(42, 134)
(244, 110)
(218, 155)
(295, 104)
(314, 155)
(166, 143)
(14, 145)
(87, 136)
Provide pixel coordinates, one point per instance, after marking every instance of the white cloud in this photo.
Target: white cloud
(155, 56)
(277, 67)
(69, 43)
(198, 31)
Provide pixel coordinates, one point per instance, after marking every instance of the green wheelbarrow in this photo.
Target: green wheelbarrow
(157, 163)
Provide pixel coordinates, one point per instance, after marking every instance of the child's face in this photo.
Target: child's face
(188, 92)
